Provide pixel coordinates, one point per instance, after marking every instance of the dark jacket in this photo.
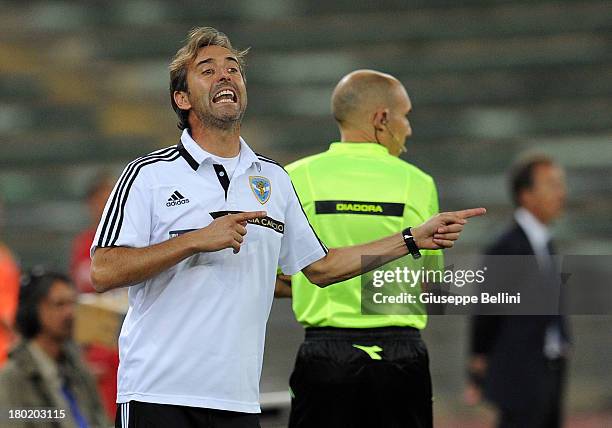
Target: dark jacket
(22, 386)
(514, 344)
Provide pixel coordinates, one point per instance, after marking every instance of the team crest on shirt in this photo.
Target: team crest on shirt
(261, 188)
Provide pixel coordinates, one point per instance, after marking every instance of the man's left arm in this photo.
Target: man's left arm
(339, 264)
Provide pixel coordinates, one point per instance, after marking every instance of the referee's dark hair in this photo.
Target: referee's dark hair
(35, 286)
(522, 171)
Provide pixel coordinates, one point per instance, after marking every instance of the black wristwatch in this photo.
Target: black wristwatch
(410, 244)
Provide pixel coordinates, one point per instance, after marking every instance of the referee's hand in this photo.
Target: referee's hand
(227, 231)
(442, 230)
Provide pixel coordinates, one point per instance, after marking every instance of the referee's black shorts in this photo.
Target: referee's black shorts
(351, 378)
(137, 414)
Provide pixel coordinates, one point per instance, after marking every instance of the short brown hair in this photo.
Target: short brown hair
(522, 172)
(198, 38)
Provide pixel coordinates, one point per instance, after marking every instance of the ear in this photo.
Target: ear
(525, 198)
(380, 119)
(181, 99)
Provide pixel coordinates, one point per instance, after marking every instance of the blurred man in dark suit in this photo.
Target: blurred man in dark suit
(518, 362)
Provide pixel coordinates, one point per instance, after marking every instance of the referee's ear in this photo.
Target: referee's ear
(380, 119)
(182, 100)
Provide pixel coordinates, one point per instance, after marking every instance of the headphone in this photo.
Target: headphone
(383, 121)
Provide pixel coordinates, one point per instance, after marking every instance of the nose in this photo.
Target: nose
(225, 75)
(562, 190)
(70, 310)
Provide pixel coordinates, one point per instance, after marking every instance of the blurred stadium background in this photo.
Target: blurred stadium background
(83, 86)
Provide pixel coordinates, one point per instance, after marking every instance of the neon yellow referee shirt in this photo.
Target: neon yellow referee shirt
(352, 194)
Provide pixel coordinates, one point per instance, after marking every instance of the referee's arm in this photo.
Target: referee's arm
(282, 288)
(340, 264)
(114, 267)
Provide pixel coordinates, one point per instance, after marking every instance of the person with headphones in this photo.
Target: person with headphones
(45, 383)
(354, 369)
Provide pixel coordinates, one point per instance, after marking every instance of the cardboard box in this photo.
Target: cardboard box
(99, 319)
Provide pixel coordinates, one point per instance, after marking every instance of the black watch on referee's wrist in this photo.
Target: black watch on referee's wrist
(410, 243)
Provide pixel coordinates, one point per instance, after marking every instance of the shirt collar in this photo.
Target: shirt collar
(195, 155)
(536, 231)
(365, 148)
(47, 366)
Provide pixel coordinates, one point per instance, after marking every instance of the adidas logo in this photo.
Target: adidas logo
(176, 199)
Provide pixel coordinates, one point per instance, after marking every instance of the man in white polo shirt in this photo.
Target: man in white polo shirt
(175, 230)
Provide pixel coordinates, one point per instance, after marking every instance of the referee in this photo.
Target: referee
(362, 370)
(175, 231)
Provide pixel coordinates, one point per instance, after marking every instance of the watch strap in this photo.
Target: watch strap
(413, 249)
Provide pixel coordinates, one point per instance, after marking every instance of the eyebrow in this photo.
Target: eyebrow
(209, 60)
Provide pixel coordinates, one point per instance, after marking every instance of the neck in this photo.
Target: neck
(219, 142)
(538, 217)
(50, 346)
(356, 136)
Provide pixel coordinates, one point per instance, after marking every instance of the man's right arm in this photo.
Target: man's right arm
(114, 267)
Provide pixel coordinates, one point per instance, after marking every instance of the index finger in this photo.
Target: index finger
(472, 212)
(249, 215)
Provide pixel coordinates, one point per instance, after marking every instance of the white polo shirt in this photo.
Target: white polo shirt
(194, 334)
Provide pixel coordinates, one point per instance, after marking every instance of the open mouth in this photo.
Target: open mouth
(225, 96)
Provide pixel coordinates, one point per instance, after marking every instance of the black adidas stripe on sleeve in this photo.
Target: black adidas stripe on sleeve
(114, 216)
